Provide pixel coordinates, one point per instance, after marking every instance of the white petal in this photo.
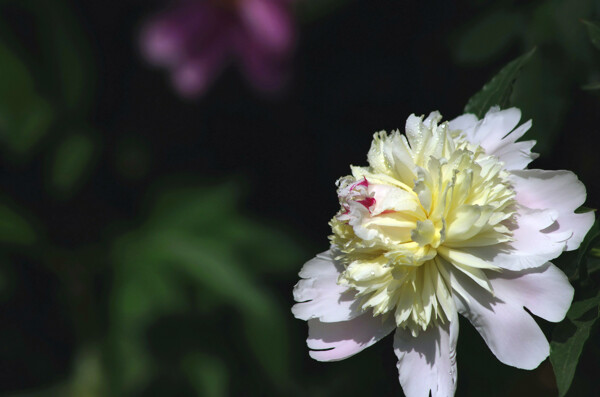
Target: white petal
(428, 362)
(545, 290)
(509, 331)
(465, 122)
(516, 156)
(496, 135)
(346, 338)
(559, 190)
(532, 247)
(320, 295)
(489, 131)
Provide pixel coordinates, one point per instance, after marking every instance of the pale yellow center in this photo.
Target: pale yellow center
(408, 220)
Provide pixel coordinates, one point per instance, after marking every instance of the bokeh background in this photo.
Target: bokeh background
(150, 238)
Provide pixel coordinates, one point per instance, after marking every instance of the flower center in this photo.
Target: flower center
(406, 221)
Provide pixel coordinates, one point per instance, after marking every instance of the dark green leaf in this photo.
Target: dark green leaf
(593, 29)
(568, 340)
(24, 115)
(196, 240)
(591, 87)
(574, 263)
(14, 228)
(71, 160)
(497, 91)
(207, 374)
(67, 53)
(487, 37)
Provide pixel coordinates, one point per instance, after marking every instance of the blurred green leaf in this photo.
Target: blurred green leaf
(72, 158)
(207, 374)
(538, 93)
(593, 29)
(497, 91)
(569, 338)
(14, 228)
(66, 51)
(24, 115)
(195, 238)
(487, 36)
(591, 87)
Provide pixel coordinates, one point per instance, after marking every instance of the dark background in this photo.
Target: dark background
(361, 67)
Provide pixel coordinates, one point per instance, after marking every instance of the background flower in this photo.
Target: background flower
(196, 38)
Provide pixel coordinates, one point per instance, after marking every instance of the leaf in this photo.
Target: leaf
(497, 91)
(568, 340)
(575, 263)
(207, 374)
(196, 242)
(488, 36)
(591, 86)
(67, 53)
(593, 29)
(71, 160)
(24, 115)
(14, 228)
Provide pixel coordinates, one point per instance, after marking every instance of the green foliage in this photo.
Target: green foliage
(570, 335)
(207, 374)
(72, 158)
(569, 338)
(497, 91)
(24, 115)
(575, 263)
(487, 37)
(197, 253)
(67, 56)
(14, 228)
(593, 29)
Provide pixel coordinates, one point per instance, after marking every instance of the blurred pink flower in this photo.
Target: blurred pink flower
(196, 38)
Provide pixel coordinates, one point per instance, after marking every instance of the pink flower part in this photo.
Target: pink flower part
(196, 38)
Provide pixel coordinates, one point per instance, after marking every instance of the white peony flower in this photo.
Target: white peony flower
(445, 220)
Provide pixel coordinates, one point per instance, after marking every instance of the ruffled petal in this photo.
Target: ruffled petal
(533, 243)
(465, 122)
(337, 341)
(561, 191)
(509, 331)
(545, 290)
(428, 362)
(320, 295)
(497, 135)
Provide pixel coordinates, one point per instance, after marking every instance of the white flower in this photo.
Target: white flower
(445, 220)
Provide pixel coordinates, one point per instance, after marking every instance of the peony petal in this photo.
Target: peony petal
(516, 156)
(509, 331)
(346, 338)
(320, 295)
(428, 362)
(465, 122)
(561, 191)
(532, 245)
(545, 290)
(496, 136)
